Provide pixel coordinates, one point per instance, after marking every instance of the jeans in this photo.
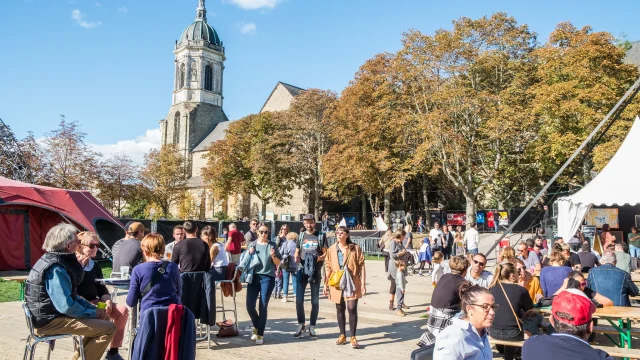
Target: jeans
(634, 251)
(303, 280)
(472, 251)
(507, 334)
(399, 298)
(278, 288)
(260, 288)
(285, 281)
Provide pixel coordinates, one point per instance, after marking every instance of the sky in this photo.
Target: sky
(109, 63)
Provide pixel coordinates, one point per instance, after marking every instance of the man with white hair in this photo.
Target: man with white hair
(611, 282)
(52, 297)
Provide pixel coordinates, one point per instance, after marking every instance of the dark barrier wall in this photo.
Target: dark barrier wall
(165, 227)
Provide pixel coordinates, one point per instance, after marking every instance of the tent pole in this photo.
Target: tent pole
(622, 103)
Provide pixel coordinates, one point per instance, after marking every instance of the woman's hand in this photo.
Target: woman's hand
(109, 307)
(324, 290)
(252, 250)
(363, 290)
(272, 252)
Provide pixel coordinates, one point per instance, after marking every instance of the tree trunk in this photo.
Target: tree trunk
(387, 208)
(471, 211)
(264, 210)
(316, 200)
(363, 200)
(587, 165)
(311, 201)
(425, 199)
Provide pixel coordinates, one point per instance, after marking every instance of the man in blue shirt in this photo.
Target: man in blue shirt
(611, 282)
(571, 313)
(52, 297)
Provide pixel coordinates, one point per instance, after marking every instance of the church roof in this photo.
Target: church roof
(200, 29)
(215, 135)
(293, 90)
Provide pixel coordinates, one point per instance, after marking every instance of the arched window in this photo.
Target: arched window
(182, 76)
(176, 128)
(208, 78)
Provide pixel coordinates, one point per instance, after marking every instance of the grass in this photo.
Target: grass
(373, 257)
(9, 291)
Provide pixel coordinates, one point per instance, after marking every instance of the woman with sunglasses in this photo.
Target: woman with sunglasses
(466, 338)
(514, 302)
(95, 292)
(344, 254)
(263, 282)
(528, 281)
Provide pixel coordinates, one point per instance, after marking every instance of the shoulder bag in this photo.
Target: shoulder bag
(154, 279)
(336, 277)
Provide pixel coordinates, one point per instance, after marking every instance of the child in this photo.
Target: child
(438, 268)
(424, 254)
(401, 285)
(459, 244)
(278, 289)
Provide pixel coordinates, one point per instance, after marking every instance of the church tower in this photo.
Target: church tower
(196, 102)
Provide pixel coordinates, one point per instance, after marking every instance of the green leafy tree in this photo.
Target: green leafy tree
(251, 160)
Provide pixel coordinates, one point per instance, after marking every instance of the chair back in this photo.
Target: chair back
(27, 315)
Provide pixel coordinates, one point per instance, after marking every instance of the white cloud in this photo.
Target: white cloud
(123, 10)
(135, 149)
(99, 5)
(79, 17)
(254, 4)
(247, 28)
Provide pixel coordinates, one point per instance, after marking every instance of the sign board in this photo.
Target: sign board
(504, 218)
(599, 217)
(457, 218)
(285, 217)
(479, 217)
(270, 216)
(589, 233)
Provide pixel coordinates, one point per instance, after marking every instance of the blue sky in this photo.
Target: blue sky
(109, 63)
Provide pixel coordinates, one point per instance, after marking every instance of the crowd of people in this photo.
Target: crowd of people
(468, 304)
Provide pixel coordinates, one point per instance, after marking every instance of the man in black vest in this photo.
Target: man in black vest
(52, 297)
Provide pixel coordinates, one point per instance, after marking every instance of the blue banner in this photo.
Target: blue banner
(480, 217)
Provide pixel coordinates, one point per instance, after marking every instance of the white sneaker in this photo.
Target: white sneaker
(254, 335)
(259, 340)
(284, 299)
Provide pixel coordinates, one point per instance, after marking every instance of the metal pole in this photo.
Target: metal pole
(627, 97)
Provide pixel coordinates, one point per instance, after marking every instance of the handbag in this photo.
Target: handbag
(518, 321)
(336, 277)
(227, 329)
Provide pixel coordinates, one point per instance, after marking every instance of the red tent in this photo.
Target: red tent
(27, 212)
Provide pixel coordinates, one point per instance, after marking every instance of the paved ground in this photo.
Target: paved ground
(381, 333)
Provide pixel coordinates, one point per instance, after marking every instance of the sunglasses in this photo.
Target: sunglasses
(262, 232)
(92, 246)
(583, 284)
(479, 263)
(340, 232)
(487, 307)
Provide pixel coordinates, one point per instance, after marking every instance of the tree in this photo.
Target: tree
(250, 160)
(581, 77)
(468, 89)
(163, 174)
(307, 127)
(369, 128)
(70, 163)
(116, 182)
(33, 154)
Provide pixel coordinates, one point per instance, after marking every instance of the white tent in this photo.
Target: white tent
(616, 184)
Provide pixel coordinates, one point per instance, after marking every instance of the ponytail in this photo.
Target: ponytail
(468, 294)
(503, 272)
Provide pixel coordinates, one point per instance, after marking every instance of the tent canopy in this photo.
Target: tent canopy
(78, 206)
(28, 212)
(614, 185)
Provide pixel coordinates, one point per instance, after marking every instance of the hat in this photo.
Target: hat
(137, 226)
(309, 217)
(574, 303)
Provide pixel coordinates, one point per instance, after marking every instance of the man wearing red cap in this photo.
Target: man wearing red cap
(571, 313)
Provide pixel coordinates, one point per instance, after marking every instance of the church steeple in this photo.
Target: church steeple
(201, 11)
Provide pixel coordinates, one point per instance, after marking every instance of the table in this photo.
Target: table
(19, 279)
(623, 315)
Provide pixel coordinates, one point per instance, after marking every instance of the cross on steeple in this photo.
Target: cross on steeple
(201, 11)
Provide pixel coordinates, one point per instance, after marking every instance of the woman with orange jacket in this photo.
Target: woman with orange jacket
(344, 251)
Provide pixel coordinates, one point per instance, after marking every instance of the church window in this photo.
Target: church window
(208, 78)
(176, 128)
(182, 76)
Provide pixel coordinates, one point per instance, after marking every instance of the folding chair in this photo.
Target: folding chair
(30, 348)
(233, 294)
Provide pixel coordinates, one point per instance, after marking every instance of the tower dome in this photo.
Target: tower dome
(200, 30)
